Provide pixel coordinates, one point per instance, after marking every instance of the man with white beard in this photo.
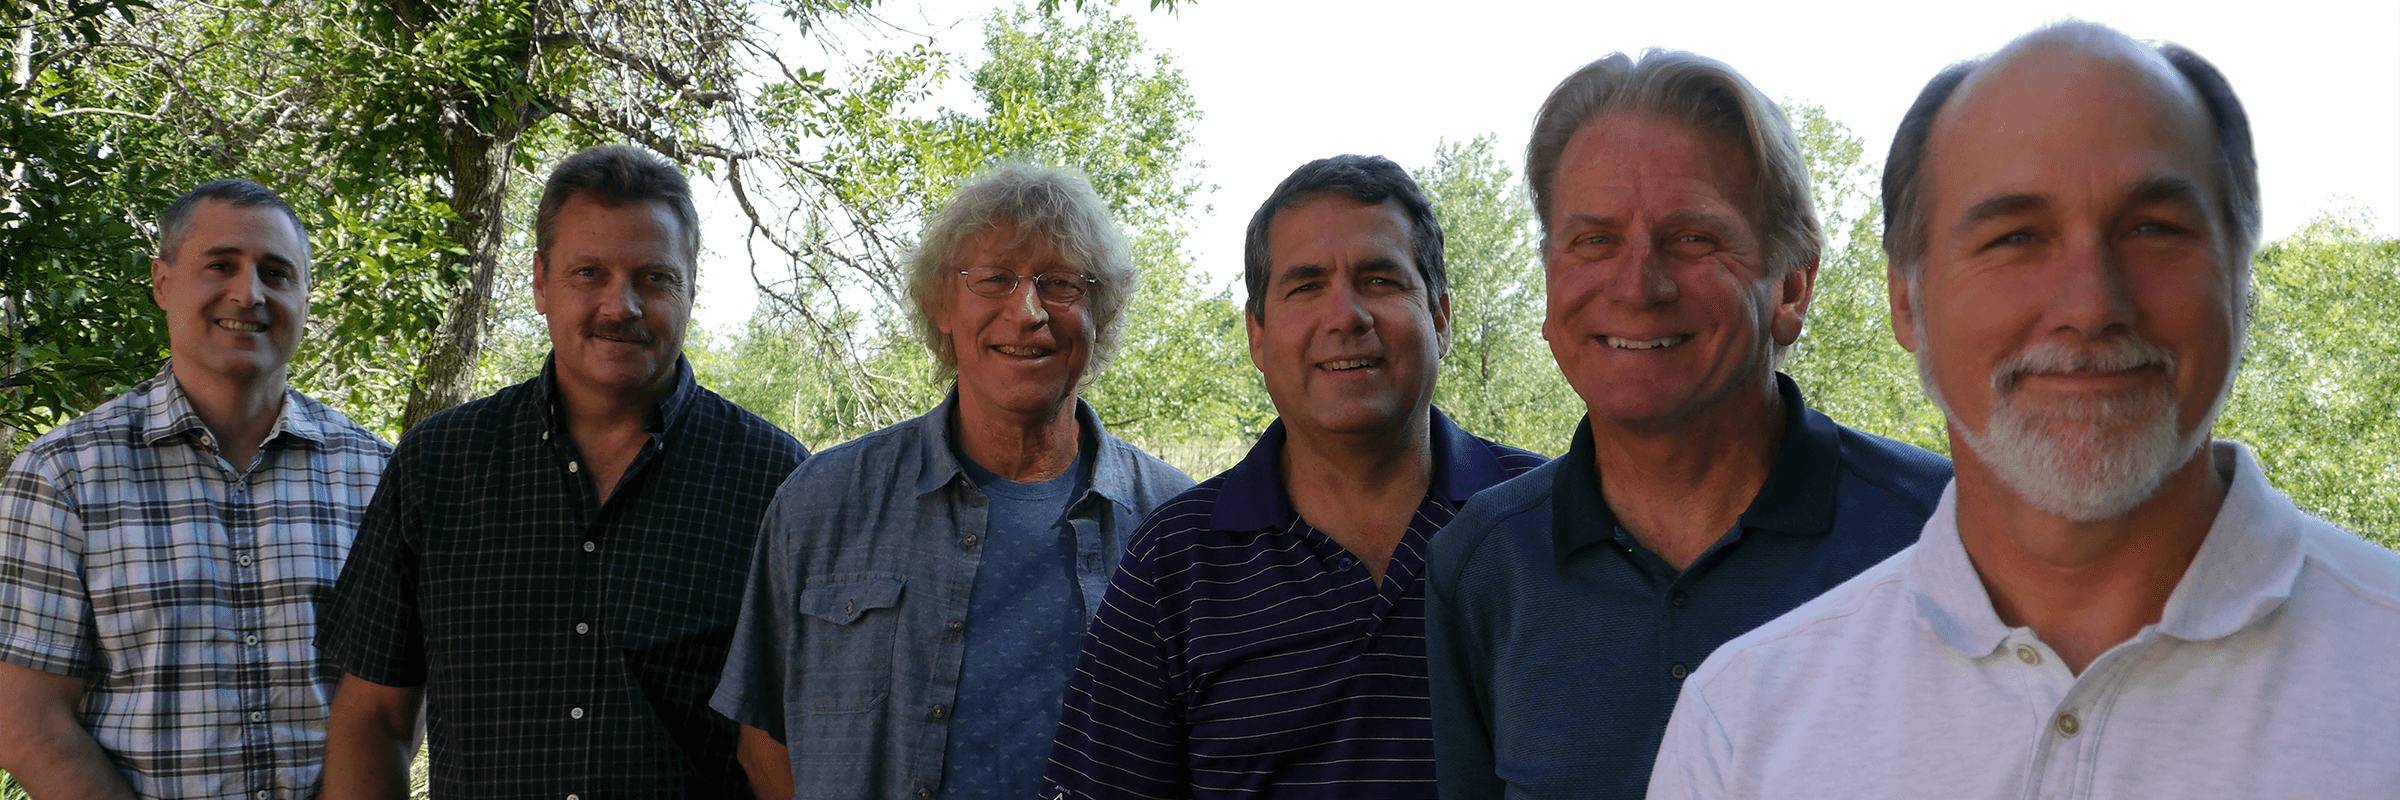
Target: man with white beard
(2106, 603)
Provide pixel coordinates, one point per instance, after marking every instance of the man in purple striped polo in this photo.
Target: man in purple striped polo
(1265, 633)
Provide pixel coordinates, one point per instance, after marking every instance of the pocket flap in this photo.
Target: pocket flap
(842, 603)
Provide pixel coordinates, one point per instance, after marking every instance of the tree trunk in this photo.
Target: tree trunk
(479, 162)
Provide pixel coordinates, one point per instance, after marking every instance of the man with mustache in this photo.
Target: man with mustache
(555, 571)
(162, 556)
(2106, 603)
(1701, 495)
(918, 593)
(1265, 635)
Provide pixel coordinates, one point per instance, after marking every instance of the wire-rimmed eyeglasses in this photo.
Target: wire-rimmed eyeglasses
(1056, 286)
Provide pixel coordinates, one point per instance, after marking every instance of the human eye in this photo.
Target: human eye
(2013, 238)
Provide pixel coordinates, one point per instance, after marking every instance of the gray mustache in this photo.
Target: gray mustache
(2114, 354)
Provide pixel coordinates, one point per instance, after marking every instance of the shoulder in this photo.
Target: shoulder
(1513, 461)
(732, 424)
(2364, 570)
(1904, 473)
(891, 451)
(1850, 622)
(341, 433)
(116, 423)
(472, 420)
(1172, 524)
(1516, 511)
(1153, 480)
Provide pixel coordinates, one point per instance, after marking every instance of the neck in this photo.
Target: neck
(1679, 486)
(1361, 489)
(238, 412)
(2084, 587)
(1372, 465)
(1024, 448)
(591, 410)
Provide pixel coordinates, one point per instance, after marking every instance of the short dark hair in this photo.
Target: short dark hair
(615, 175)
(177, 219)
(1904, 213)
(1367, 179)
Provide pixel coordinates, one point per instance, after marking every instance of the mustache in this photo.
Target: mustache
(620, 330)
(2113, 354)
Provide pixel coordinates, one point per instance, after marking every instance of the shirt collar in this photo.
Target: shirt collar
(1797, 497)
(2244, 571)
(663, 417)
(1252, 497)
(167, 412)
(1115, 467)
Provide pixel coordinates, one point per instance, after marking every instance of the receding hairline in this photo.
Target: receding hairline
(281, 217)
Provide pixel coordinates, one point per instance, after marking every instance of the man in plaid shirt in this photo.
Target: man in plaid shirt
(161, 556)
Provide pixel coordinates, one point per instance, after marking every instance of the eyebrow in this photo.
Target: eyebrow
(2166, 189)
(270, 257)
(1302, 272)
(2003, 206)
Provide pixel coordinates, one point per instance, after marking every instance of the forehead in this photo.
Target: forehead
(1007, 242)
(2057, 123)
(257, 229)
(1323, 225)
(588, 227)
(1636, 163)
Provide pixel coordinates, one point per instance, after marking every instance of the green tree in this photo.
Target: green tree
(1082, 92)
(1847, 363)
(1499, 380)
(2314, 398)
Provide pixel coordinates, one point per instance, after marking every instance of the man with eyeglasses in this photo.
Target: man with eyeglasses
(919, 593)
(1265, 635)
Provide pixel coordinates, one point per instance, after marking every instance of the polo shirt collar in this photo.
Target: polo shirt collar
(2244, 571)
(167, 412)
(1253, 498)
(663, 417)
(1114, 466)
(1797, 497)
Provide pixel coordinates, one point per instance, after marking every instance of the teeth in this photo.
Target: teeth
(1645, 344)
(1356, 363)
(1022, 352)
(241, 325)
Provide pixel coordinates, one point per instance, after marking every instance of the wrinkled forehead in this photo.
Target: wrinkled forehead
(2051, 71)
(1014, 241)
(2035, 115)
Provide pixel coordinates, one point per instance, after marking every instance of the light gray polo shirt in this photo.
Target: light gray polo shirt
(2273, 672)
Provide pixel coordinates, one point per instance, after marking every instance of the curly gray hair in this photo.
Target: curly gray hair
(1055, 204)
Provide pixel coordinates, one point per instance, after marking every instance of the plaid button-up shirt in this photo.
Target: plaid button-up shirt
(567, 646)
(185, 588)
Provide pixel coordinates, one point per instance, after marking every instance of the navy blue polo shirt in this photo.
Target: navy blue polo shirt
(1241, 651)
(1559, 642)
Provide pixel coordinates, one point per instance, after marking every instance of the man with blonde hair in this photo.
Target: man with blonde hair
(2106, 603)
(1701, 496)
(919, 592)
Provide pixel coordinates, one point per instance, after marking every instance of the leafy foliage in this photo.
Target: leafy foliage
(1499, 380)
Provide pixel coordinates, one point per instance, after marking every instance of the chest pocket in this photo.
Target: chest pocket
(848, 625)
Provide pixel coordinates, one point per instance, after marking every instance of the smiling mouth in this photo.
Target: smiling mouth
(1660, 343)
(1347, 364)
(242, 325)
(1021, 351)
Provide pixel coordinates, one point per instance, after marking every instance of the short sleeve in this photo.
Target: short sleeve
(751, 690)
(369, 626)
(45, 610)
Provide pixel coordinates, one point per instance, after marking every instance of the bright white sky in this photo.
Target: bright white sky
(1283, 82)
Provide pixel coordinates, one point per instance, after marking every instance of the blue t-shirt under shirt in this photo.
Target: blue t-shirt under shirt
(1024, 632)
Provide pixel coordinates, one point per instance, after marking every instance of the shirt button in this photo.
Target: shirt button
(1678, 670)
(957, 625)
(1679, 599)
(245, 559)
(251, 639)
(970, 541)
(262, 794)
(569, 797)
(2026, 654)
(590, 546)
(546, 437)
(572, 466)
(941, 712)
(258, 716)
(575, 713)
(924, 792)
(2068, 725)
(582, 628)
(1345, 564)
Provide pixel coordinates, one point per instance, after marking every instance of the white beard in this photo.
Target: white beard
(2080, 458)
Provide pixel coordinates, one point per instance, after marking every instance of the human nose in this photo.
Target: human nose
(1025, 298)
(250, 289)
(2091, 292)
(1641, 276)
(622, 300)
(1345, 313)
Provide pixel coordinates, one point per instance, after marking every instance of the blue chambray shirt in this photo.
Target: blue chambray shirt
(853, 625)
